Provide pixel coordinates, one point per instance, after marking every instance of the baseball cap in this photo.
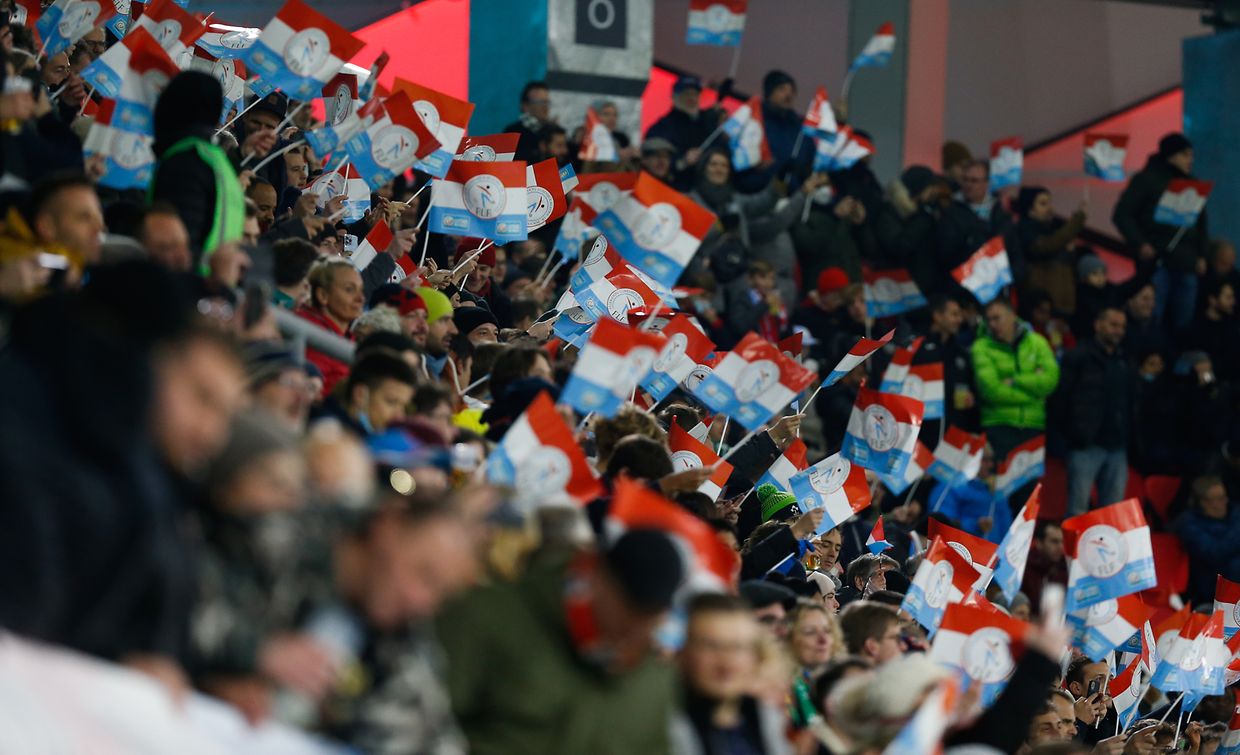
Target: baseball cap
(686, 82)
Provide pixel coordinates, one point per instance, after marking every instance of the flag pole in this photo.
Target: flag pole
(426, 240)
(736, 58)
(273, 155)
(810, 400)
(86, 100)
(471, 256)
(723, 436)
(848, 77)
(737, 447)
(237, 117)
(551, 274)
(1171, 707)
(1176, 238)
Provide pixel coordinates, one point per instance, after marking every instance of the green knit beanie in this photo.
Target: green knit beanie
(774, 501)
(438, 306)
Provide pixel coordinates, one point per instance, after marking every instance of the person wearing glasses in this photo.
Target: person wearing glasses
(866, 575)
(535, 114)
(813, 640)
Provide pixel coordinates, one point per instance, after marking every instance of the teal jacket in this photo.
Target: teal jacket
(1014, 381)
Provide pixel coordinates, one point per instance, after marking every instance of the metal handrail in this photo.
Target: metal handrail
(303, 334)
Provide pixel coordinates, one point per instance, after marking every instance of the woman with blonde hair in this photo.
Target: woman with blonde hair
(814, 639)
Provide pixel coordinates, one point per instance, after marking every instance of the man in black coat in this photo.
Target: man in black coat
(687, 127)
(535, 113)
(1093, 408)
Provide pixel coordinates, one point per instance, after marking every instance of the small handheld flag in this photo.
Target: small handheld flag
(978, 552)
(64, 22)
(128, 156)
(481, 200)
(690, 453)
(835, 485)
(539, 459)
(343, 180)
(226, 42)
(897, 368)
(890, 292)
(1013, 552)
(1182, 202)
(445, 116)
(392, 143)
(544, 194)
(877, 51)
(1023, 465)
(877, 541)
(716, 22)
(614, 295)
(1104, 626)
(1109, 553)
(861, 351)
(943, 577)
(610, 366)
(686, 345)
(794, 459)
(1126, 690)
(1104, 156)
(300, 50)
(1227, 600)
(747, 134)
(656, 228)
(841, 150)
(920, 461)
(958, 458)
(882, 431)
(599, 192)
(1007, 162)
(820, 118)
(753, 382)
(986, 272)
(980, 644)
(597, 144)
(495, 148)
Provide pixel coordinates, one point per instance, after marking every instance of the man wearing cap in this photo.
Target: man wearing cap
(1175, 269)
(476, 324)
(560, 661)
(408, 305)
(685, 128)
(440, 327)
(791, 158)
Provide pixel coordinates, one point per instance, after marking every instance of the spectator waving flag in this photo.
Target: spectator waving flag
(882, 431)
(1104, 156)
(656, 228)
(300, 50)
(375, 243)
(109, 70)
(877, 52)
(753, 382)
(614, 294)
(958, 458)
(841, 150)
(690, 453)
(227, 42)
(1182, 202)
(986, 272)
(1109, 554)
(1227, 600)
(344, 180)
(1024, 464)
(716, 22)
(480, 199)
(330, 137)
(597, 144)
(539, 459)
(923, 734)
(128, 155)
(979, 644)
(1013, 552)
(794, 459)
(445, 116)
(1182, 665)
(1104, 626)
(877, 541)
(610, 366)
(978, 552)
(1007, 162)
(392, 143)
(494, 148)
(890, 292)
(747, 133)
(836, 486)
(861, 351)
(64, 22)
(943, 577)
(686, 346)
(897, 368)
(918, 463)
(1126, 690)
(544, 194)
(820, 118)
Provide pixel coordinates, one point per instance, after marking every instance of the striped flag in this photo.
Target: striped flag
(918, 463)
(481, 200)
(544, 193)
(375, 243)
(340, 97)
(980, 553)
(600, 192)
(983, 646)
(1183, 664)
(1126, 690)
(1227, 600)
(229, 72)
(753, 382)
(702, 370)
(494, 148)
(1007, 161)
(610, 366)
(656, 228)
(344, 180)
(1109, 554)
(568, 177)
(794, 459)
(835, 485)
(331, 136)
(986, 272)
(1013, 552)
(841, 150)
(226, 42)
(1104, 626)
(1182, 202)
(943, 577)
(897, 368)
(882, 431)
(747, 135)
(890, 292)
(597, 144)
(445, 116)
(613, 295)
(300, 50)
(175, 29)
(877, 51)
(1024, 464)
(958, 458)
(820, 118)
(128, 155)
(1104, 156)
(393, 143)
(64, 22)
(690, 453)
(686, 346)
(107, 73)
(716, 22)
(862, 350)
(539, 459)
(877, 541)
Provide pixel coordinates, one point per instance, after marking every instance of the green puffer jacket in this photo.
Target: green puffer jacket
(1014, 380)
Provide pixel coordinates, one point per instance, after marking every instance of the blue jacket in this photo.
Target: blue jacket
(970, 502)
(1213, 547)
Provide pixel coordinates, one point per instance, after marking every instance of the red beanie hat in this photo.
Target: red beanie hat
(831, 280)
(405, 301)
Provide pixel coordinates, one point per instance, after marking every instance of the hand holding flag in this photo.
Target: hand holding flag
(300, 50)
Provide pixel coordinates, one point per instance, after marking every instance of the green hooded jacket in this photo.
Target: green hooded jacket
(1014, 380)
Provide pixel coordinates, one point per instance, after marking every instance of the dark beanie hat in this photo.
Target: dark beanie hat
(773, 80)
(505, 409)
(1027, 196)
(192, 100)
(468, 318)
(648, 568)
(916, 178)
(1173, 144)
(759, 594)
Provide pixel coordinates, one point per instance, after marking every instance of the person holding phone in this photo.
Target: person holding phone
(1087, 681)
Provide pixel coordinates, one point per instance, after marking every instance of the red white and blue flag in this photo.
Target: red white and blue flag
(877, 51)
(835, 485)
(981, 645)
(300, 50)
(230, 72)
(943, 577)
(445, 116)
(175, 29)
(690, 453)
(1104, 156)
(862, 350)
(574, 232)
(923, 734)
(26, 13)
(610, 366)
(375, 243)
(1109, 554)
(614, 295)
(128, 155)
(1184, 665)
(979, 552)
(686, 346)
(820, 118)
(227, 42)
(544, 201)
(747, 134)
(64, 22)
(344, 180)
(703, 369)
(1227, 600)
(890, 292)
(148, 71)
(1182, 202)
(794, 459)
(1104, 626)
(716, 22)
(600, 192)
(540, 461)
(987, 272)
(107, 73)
(958, 458)
(1007, 163)
(925, 383)
(841, 150)
(392, 143)
(597, 144)
(656, 228)
(920, 461)
(341, 98)
(1127, 689)
(753, 382)
(1024, 464)
(1231, 740)
(882, 431)
(332, 136)
(877, 541)
(1013, 552)
(480, 200)
(897, 368)
(493, 148)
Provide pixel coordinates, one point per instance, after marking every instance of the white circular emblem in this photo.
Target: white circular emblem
(756, 379)
(682, 460)
(1235, 614)
(577, 315)
(987, 656)
(394, 147)
(717, 17)
(598, 250)
(657, 227)
(939, 586)
(620, 301)
(696, 376)
(913, 386)
(429, 114)
(1101, 613)
(1102, 551)
(963, 551)
(78, 20)
(829, 480)
(485, 197)
(154, 82)
(479, 153)
(603, 195)
(985, 269)
(545, 471)
(238, 40)
(342, 104)
(223, 70)
(885, 289)
(636, 364)
(881, 430)
(538, 205)
(129, 150)
(677, 343)
(307, 52)
(168, 31)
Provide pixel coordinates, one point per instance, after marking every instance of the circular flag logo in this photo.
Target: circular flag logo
(484, 196)
(620, 301)
(829, 480)
(677, 343)
(963, 551)
(168, 31)
(636, 364)
(238, 40)
(544, 472)
(603, 196)
(597, 251)
(78, 20)
(394, 147)
(223, 71)
(987, 657)
(342, 104)
(307, 51)
(658, 226)
(880, 428)
(717, 17)
(1102, 551)
(696, 376)
(577, 315)
(429, 114)
(129, 150)
(756, 379)
(479, 153)
(939, 586)
(538, 205)
(682, 460)
(1101, 613)
(885, 289)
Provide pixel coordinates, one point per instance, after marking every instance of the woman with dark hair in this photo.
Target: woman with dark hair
(1049, 245)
